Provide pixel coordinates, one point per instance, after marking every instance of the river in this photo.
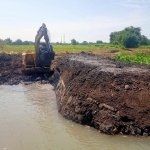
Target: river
(29, 121)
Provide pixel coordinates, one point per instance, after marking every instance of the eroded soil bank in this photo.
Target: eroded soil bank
(112, 97)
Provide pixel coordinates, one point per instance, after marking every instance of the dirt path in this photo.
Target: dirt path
(112, 97)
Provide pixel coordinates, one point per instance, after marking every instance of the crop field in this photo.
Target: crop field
(17, 48)
(138, 55)
(139, 58)
(59, 48)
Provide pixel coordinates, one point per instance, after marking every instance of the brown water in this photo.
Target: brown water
(29, 121)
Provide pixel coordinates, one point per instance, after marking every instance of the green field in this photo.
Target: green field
(70, 48)
(60, 48)
(138, 55)
(17, 48)
(139, 58)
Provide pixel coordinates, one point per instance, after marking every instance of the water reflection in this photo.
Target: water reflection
(29, 120)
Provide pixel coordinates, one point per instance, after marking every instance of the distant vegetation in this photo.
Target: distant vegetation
(8, 41)
(127, 45)
(130, 37)
(61, 48)
(137, 58)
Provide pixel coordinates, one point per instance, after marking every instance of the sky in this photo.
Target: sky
(82, 20)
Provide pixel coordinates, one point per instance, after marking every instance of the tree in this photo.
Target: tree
(77, 43)
(144, 40)
(1, 41)
(131, 41)
(91, 43)
(112, 37)
(18, 42)
(85, 43)
(73, 42)
(26, 43)
(31, 42)
(99, 42)
(130, 37)
(8, 41)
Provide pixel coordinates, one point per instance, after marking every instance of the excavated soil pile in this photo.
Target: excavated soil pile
(109, 96)
(11, 71)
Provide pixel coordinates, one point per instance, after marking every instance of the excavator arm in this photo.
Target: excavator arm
(42, 57)
(40, 33)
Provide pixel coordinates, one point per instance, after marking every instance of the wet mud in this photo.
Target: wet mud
(11, 71)
(109, 96)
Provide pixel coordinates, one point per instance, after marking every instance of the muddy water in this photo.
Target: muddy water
(29, 121)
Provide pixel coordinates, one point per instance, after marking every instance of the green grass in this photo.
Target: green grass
(60, 48)
(144, 47)
(17, 48)
(126, 55)
(137, 58)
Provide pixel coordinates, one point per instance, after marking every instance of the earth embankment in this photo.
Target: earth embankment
(109, 96)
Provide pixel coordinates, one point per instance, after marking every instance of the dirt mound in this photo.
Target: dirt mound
(112, 97)
(11, 71)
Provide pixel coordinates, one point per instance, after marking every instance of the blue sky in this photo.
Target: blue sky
(88, 20)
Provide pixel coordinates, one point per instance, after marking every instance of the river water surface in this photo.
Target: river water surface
(29, 121)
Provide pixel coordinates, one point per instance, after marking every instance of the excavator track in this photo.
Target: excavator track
(36, 70)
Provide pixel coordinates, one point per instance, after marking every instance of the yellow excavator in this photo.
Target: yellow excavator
(40, 60)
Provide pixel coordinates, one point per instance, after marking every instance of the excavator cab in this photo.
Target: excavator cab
(42, 57)
(45, 57)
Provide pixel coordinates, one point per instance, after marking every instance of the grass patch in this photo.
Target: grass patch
(144, 47)
(99, 49)
(17, 48)
(137, 58)
(59, 49)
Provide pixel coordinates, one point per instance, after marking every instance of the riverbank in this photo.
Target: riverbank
(109, 96)
(112, 97)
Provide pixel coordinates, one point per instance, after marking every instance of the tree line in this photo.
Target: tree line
(74, 42)
(130, 37)
(8, 41)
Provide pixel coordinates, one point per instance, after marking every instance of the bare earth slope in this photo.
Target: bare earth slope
(112, 97)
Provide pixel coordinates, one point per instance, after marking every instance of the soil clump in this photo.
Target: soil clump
(110, 96)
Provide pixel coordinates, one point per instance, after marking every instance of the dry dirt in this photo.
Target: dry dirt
(109, 96)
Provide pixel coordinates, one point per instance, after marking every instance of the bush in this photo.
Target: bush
(130, 41)
(137, 58)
